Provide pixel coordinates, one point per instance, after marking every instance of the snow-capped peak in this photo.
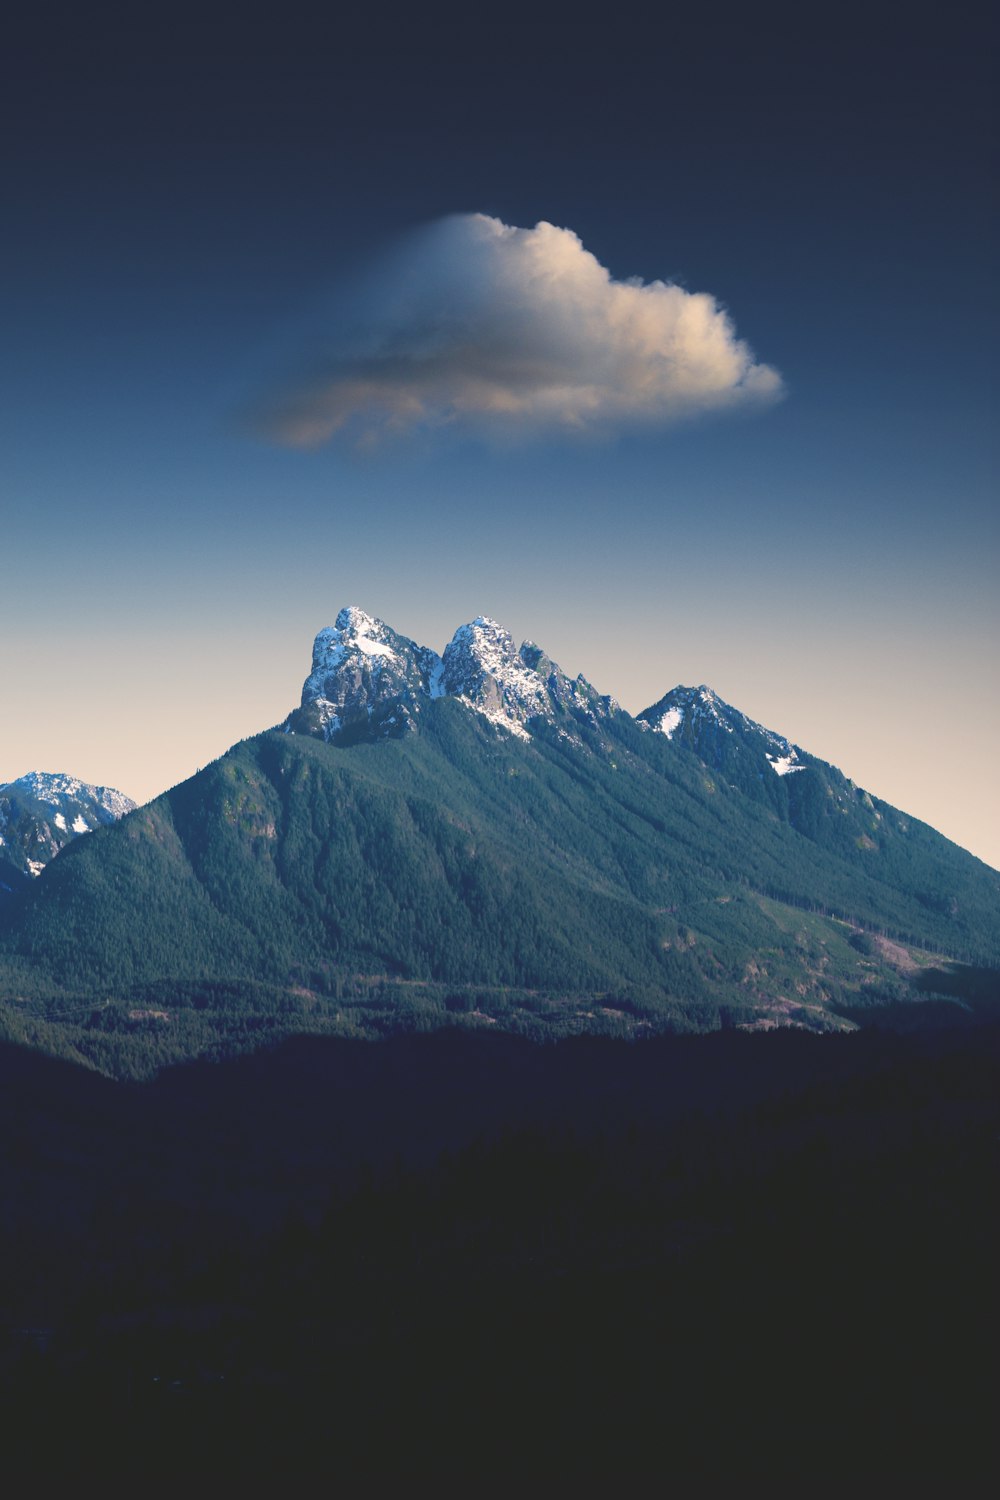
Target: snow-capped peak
(482, 666)
(353, 631)
(47, 785)
(353, 618)
(365, 675)
(55, 788)
(704, 701)
(363, 670)
(43, 811)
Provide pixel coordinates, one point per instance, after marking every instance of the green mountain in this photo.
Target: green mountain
(495, 844)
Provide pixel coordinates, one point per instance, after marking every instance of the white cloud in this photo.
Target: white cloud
(503, 330)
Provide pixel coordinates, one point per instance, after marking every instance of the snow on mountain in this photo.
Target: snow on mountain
(41, 812)
(783, 764)
(54, 788)
(368, 679)
(671, 720)
(368, 682)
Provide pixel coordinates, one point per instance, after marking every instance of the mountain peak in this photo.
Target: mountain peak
(353, 630)
(354, 621)
(55, 787)
(43, 811)
(364, 676)
(427, 845)
(686, 705)
(483, 667)
(368, 680)
(702, 720)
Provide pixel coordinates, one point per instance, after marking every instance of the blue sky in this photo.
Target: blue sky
(194, 210)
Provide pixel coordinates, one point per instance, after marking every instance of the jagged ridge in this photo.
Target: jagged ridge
(369, 681)
(699, 719)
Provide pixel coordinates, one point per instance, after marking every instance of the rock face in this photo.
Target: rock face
(42, 812)
(367, 681)
(483, 667)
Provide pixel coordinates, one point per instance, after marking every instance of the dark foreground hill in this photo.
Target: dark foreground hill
(487, 1263)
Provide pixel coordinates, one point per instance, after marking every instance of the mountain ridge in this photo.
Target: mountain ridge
(362, 668)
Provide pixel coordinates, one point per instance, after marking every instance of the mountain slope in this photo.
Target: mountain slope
(827, 808)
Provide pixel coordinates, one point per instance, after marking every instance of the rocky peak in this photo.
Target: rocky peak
(41, 812)
(364, 674)
(55, 789)
(702, 721)
(366, 679)
(689, 706)
(483, 667)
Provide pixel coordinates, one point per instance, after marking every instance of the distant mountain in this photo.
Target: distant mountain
(478, 836)
(40, 813)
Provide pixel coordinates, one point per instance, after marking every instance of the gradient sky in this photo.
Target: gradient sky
(192, 207)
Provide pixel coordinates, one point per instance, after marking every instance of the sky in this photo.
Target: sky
(668, 342)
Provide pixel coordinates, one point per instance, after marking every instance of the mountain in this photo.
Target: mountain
(40, 813)
(476, 844)
(478, 837)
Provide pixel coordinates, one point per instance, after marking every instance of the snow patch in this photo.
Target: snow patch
(373, 648)
(329, 719)
(783, 765)
(435, 682)
(79, 826)
(670, 722)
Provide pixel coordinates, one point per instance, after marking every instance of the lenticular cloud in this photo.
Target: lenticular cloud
(505, 331)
